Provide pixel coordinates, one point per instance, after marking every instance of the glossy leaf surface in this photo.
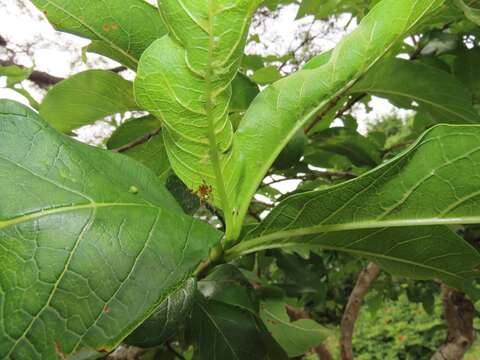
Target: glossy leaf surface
(78, 248)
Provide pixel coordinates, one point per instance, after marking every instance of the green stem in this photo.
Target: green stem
(212, 139)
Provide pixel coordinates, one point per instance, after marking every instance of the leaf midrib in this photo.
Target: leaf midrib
(63, 209)
(352, 251)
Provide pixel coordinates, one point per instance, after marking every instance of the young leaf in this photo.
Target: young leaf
(86, 97)
(14, 74)
(85, 257)
(435, 182)
(185, 79)
(286, 106)
(120, 29)
(413, 85)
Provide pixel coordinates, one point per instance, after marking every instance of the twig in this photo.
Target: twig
(365, 279)
(43, 79)
(141, 140)
(459, 313)
(324, 112)
(302, 44)
(329, 174)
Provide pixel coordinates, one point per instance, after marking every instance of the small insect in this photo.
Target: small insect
(204, 191)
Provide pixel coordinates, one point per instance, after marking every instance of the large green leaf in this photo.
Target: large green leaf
(120, 29)
(286, 106)
(421, 87)
(91, 243)
(185, 79)
(435, 182)
(86, 97)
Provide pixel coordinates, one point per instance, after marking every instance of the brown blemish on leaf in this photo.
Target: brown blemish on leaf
(45, 12)
(114, 26)
(58, 350)
(103, 350)
(106, 27)
(106, 309)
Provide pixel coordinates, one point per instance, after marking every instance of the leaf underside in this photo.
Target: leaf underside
(289, 104)
(415, 188)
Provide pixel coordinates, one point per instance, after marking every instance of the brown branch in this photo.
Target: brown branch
(45, 80)
(42, 79)
(459, 313)
(141, 140)
(297, 314)
(365, 279)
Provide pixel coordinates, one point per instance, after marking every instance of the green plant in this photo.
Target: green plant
(163, 246)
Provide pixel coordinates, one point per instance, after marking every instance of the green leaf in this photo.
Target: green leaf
(120, 29)
(466, 69)
(279, 111)
(434, 182)
(472, 14)
(86, 97)
(292, 153)
(266, 75)
(413, 85)
(91, 243)
(132, 130)
(360, 150)
(15, 74)
(164, 322)
(244, 91)
(151, 152)
(224, 332)
(295, 337)
(227, 284)
(185, 80)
